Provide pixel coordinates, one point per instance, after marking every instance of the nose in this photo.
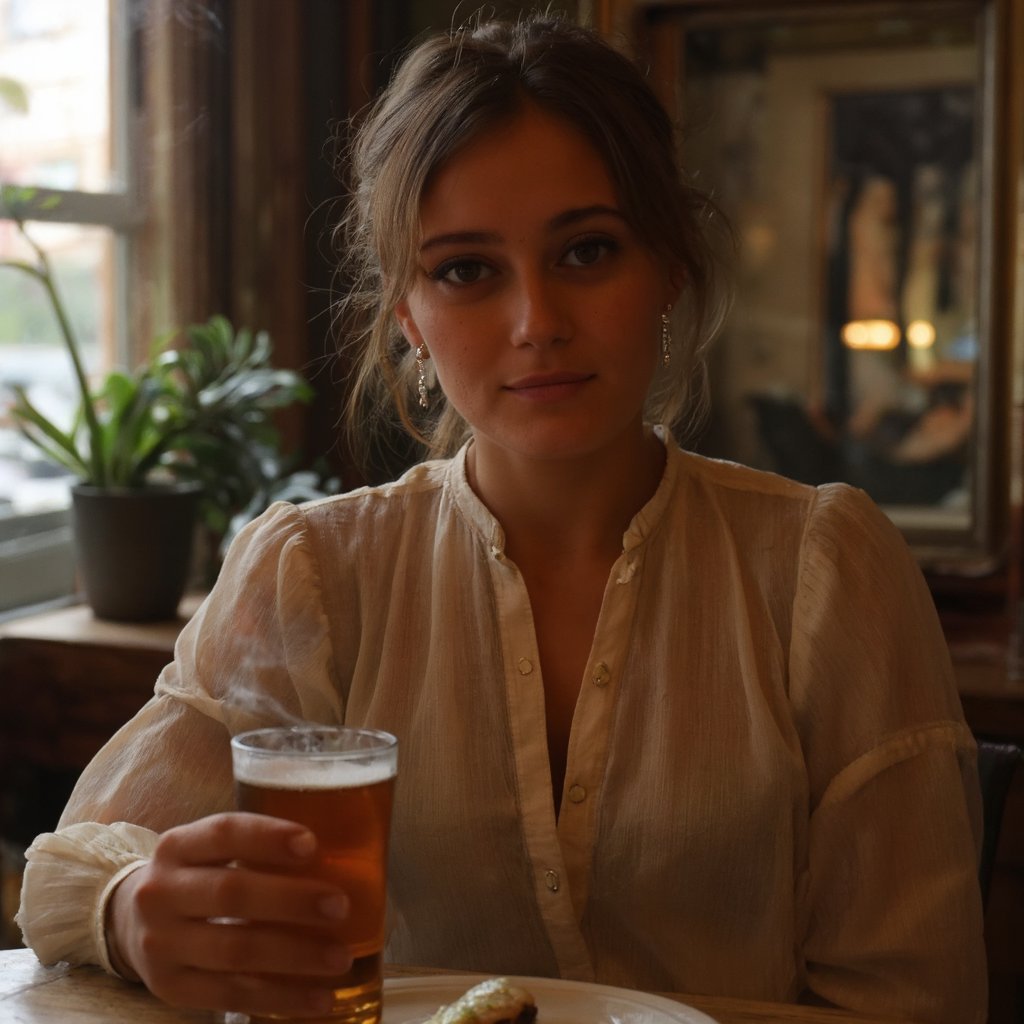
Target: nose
(541, 317)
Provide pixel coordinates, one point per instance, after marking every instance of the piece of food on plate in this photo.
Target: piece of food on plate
(495, 1001)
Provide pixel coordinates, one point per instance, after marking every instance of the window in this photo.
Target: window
(65, 119)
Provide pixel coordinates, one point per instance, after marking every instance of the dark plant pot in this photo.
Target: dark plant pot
(134, 548)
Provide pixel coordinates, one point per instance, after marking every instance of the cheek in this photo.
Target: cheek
(635, 327)
(457, 361)
(438, 324)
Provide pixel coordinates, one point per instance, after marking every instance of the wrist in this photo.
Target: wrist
(116, 918)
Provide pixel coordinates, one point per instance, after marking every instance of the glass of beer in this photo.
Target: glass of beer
(338, 782)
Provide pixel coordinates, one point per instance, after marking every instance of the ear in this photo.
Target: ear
(677, 278)
(407, 324)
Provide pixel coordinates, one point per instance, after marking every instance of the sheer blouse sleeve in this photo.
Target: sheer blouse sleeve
(257, 652)
(893, 909)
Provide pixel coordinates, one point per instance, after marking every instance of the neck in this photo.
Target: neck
(560, 510)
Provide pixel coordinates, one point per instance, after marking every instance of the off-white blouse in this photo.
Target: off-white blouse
(770, 790)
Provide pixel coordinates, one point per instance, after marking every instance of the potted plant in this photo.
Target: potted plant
(190, 430)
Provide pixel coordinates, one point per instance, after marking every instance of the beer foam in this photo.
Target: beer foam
(283, 772)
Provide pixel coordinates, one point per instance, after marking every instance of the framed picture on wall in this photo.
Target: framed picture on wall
(852, 150)
(900, 330)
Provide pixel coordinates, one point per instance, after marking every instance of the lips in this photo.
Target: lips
(549, 388)
(548, 380)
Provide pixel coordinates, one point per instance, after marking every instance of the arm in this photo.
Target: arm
(263, 626)
(167, 766)
(894, 922)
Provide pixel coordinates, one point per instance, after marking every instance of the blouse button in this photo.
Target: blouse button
(577, 794)
(525, 666)
(601, 674)
(551, 880)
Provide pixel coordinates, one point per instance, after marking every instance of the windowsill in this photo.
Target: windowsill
(26, 611)
(37, 560)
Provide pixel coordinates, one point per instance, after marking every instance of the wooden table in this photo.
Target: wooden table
(31, 994)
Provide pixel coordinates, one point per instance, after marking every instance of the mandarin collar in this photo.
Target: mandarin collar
(483, 523)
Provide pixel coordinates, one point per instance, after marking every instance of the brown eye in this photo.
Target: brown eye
(589, 251)
(461, 272)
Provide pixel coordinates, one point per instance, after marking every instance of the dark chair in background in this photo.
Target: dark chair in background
(798, 448)
(997, 761)
(795, 445)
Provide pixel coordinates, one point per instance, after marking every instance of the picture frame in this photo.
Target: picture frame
(765, 136)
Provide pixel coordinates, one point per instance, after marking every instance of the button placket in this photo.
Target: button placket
(525, 701)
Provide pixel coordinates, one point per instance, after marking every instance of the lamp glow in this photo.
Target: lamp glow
(872, 335)
(920, 334)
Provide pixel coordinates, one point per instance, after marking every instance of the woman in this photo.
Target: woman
(664, 722)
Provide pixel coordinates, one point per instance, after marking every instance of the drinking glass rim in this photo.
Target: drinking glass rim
(388, 742)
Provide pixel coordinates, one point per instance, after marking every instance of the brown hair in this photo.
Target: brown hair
(448, 90)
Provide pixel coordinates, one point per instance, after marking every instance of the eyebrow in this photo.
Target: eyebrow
(561, 220)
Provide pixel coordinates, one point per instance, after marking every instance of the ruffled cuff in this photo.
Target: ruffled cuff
(69, 877)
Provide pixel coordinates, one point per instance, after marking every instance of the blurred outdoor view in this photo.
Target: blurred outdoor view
(55, 133)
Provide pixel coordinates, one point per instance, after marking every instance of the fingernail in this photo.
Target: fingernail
(337, 958)
(335, 907)
(303, 844)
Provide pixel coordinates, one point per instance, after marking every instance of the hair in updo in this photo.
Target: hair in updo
(448, 90)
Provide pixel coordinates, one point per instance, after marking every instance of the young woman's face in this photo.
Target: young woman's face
(539, 305)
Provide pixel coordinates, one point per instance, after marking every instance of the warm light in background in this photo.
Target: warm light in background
(875, 335)
(920, 334)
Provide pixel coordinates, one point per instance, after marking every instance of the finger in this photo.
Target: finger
(261, 996)
(205, 892)
(258, 839)
(256, 949)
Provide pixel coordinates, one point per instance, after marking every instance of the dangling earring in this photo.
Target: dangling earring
(666, 337)
(421, 375)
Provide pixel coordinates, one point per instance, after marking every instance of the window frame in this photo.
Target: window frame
(36, 549)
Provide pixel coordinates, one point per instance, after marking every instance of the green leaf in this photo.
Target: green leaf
(19, 202)
(13, 95)
(201, 408)
(42, 432)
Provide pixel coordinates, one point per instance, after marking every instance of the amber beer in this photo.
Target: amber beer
(338, 782)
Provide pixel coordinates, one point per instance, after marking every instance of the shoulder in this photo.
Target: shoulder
(325, 527)
(727, 478)
(792, 536)
(753, 507)
(759, 495)
(372, 510)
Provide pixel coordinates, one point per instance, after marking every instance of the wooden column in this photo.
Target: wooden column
(181, 258)
(267, 197)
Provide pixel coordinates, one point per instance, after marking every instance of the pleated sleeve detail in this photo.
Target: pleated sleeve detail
(102, 855)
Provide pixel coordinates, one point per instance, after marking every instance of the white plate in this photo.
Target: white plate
(413, 1000)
